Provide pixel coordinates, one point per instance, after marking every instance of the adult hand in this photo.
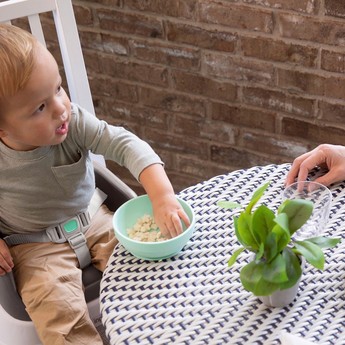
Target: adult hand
(331, 157)
(6, 261)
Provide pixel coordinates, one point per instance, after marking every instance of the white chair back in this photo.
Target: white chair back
(67, 33)
(18, 331)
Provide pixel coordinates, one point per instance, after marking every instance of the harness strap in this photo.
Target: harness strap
(71, 231)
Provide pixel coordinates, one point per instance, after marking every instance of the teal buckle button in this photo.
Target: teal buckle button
(70, 226)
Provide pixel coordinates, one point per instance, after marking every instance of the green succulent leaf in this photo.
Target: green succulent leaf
(235, 255)
(282, 220)
(260, 252)
(271, 247)
(251, 276)
(229, 205)
(282, 237)
(256, 197)
(262, 223)
(275, 271)
(293, 268)
(325, 242)
(244, 232)
(312, 253)
(298, 212)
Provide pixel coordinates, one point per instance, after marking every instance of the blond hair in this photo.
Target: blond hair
(16, 59)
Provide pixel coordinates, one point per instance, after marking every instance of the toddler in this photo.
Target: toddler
(47, 182)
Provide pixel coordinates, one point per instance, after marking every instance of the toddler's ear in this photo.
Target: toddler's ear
(3, 133)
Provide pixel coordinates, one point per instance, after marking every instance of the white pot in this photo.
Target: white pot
(282, 298)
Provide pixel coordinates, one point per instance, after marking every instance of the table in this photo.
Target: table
(194, 298)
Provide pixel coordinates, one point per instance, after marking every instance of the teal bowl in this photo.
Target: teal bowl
(128, 214)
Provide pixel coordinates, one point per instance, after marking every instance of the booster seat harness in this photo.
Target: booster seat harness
(71, 231)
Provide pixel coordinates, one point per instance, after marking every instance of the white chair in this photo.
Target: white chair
(16, 327)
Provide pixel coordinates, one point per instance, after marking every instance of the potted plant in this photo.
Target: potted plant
(277, 261)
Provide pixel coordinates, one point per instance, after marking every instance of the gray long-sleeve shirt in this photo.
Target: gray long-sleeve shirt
(48, 185)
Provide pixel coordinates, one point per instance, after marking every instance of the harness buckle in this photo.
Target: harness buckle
(72, 231)
(77, 240)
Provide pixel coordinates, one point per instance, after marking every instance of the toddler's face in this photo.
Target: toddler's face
(39, 114)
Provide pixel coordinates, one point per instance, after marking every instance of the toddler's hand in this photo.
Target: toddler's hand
(6, 261)
(168, 214)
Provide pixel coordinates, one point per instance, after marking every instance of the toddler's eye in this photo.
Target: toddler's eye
(59, 89)
(41, 107)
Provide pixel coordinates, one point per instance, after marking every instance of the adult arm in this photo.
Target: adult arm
(331, 157)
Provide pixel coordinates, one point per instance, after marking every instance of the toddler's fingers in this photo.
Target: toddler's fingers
(183, 215)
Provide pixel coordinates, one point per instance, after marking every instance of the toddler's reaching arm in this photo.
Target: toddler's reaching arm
(167, 211)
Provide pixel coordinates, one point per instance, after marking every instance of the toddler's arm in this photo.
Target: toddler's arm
(6, 262)
(167, 211)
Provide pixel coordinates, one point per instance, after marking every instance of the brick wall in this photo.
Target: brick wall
(217, 85)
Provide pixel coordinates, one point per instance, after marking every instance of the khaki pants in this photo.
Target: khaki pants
(49, 281)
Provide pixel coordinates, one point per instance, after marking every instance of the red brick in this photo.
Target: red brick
(91, 40)
(244, 116)
(279, 51)
(107, 87)
(204, 129)
(311, 29)
(313, 132)
(335, 8)
(83, 15)
(219, 132)
(273, 144)
(133, 114)
(312, 84)
(172, 101)
(117, 21)
(280, 101)
(236, 16)
(92, 62)
(237, 157)
(238, 69)
(333, 61)
(112, 3)
(200, 85)
(331, 112)
(304, 6)
(123, 68)
(167, 54)
(178, 144)
(200, 37)
(197, 168)
(173, 8)
(115, 45)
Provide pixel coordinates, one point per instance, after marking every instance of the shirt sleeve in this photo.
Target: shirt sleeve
(112, 142)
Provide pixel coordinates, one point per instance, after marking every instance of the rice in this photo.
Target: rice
(146, 230)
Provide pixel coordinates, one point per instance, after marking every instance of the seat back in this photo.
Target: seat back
(67, 33)
(79, 91)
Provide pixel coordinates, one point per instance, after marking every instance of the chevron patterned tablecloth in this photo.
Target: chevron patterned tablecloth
(194, 298)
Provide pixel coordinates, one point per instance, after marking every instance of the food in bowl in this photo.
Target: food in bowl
(127, 215)
(146, 230)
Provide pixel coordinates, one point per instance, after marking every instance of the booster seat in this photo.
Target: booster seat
(16, 327)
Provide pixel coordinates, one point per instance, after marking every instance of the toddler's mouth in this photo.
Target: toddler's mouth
(63, 129)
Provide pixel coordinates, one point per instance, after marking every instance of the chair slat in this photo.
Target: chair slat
(36, 28)
(23, 8)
